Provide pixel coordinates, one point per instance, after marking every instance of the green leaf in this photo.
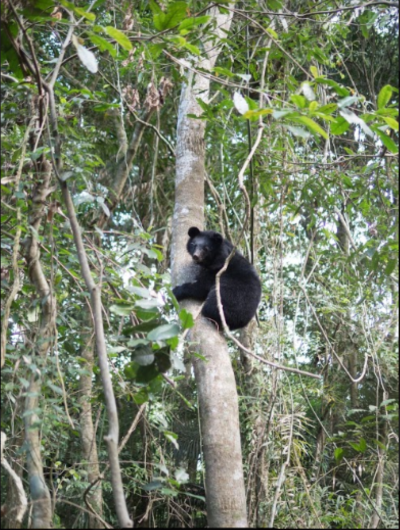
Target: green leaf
(387, 402)
(386, 140)
(173, 16)
(56, 389)
(155, 7)
(339, 89)
(361, 447)
(156, 49)
(326, 117)
(339, 454)
(140, 291)
(120, 310)
(299, 101)
(186, 319)
(192, 48)
(313, 126)
(314, 71)
(393, 124)
(339, 126)
(44, 4)
(347, 180)
(328, 109)
(145, 374)
(153, 303)
(298, 131)
(223, 71)
(255, 114)
(390, 267)
(141, 397)
(120, 37)
(190, 23)
(85, 14)
(154, 485)
(166, 331)
(384, 96)
(253, 105)
(273, 33)
(143, 355)
(103, 44)
(387, 112)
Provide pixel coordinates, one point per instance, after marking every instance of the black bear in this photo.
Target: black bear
(240, 285)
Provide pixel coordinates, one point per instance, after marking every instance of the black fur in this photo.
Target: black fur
(240, 285)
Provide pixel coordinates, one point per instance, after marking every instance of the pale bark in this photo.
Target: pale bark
(380, 471)
(42, 509)
(20, 502)
(95, 301)
(88, 438)
(218, 402)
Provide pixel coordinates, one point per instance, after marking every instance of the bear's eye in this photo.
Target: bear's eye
(206, 248)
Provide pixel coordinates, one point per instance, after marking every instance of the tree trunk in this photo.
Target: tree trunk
(218, 402)
(42, 510)
(88, 438)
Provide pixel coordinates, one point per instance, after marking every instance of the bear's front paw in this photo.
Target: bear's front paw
(178, 292)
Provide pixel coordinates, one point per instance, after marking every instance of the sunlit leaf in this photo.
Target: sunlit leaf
(384, 96)
(190, 23)
(103, 44)
(393, 124)
(313, 126)
(85, 14)
(120, 37)
(339, 454)
(299, 101)
(339, 126)
(387, 141)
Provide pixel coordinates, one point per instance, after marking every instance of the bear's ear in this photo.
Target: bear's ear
(193, 232)
(217, 237)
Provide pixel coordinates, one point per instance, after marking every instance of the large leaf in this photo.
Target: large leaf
(384, 96)
(339, 454)
(361, 447)
(121, 310)
(339, 126)
(339, 89)
(393, 124)
(312, 125)
(85, 14)
(387, 141)
(174, 15)
(350, 117)
(166, 331)
(120, 37)
(103, 44)
(190, 23)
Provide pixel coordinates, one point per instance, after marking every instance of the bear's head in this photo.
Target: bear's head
(204, 247)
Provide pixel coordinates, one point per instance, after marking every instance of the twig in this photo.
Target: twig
(16, 283)
(331, 348)
(135, 422)
(20, 501)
